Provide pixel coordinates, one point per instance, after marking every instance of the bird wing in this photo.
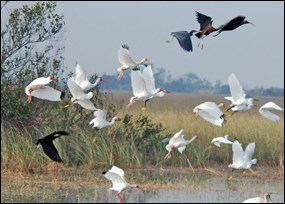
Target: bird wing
(211, 118)
(229, 98)
(124, 56)
(47, 93)
(203, 20)
(181, 149)
(184, 40)
(138, 83)
(51, 151)
(265, 111)
(75, 89)
(231, 25)
(87, 104)
(81, 74)
(210, 112)
(116, 179)
(118, 171)
(40, 81)
(149, 78)
(176, 137)
(238, 153)
(249, 150)
(235, 88)
(166, 140)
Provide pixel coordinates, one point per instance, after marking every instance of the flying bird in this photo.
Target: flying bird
(82, 80)
(126, 60)
(38, 88)
(266, 199)
(78, 96)
(178, 142)
(48, 146)
(143, 85)
(184, 39)
(100, 119)
(205, 27)
(117, 176)
(233, 24)
(242, 159)
(265, 111)
(218, 140)
(211, 112)
(238, 97)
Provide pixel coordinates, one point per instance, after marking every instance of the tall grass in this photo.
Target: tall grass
(135, 140)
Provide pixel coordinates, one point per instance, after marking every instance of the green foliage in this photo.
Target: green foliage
(29, 49)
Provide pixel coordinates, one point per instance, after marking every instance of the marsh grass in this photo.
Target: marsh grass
(135, 140)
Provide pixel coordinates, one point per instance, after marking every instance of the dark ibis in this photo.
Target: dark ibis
(184, 39)
(205, 27)
(233, 24)
(48, 146)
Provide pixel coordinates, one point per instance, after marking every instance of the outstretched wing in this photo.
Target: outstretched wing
(184, 40)
(149, 78)
(203, 20)
(249, 152)
(238, 153)
(236, 89)
(125, 57)
(231, 25)
(48, 93)
(51, 151)
(138, 83)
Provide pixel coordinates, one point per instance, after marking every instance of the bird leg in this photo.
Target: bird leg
(201, 43)
(30, 95)
(145, 102)
(168, 155)
(170, 40)
(120, 76)
(120, 198)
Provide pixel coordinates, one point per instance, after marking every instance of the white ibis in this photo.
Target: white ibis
(100, 119)
(79, 96)
(266, 199)
(117, 176)
(48, 146)
(238, 97)
(211, 112)
(38, 88)
(265, 111)
(178, 142)
(82, 80)
(218, 140)
(143, 84)
(242, 159)
(126, 60)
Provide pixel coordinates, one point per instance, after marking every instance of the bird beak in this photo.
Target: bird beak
(103, 80)
(251, 23)
(165, 91)
(36, 147)
(198, 138)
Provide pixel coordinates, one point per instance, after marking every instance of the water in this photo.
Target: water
(159, 186)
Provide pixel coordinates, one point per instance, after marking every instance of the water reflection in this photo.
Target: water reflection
(159, 186)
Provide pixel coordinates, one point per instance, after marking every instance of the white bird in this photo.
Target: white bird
(242, 159)
(143, 84)
(100, 119)
(238, 97)
(265, 111)
(79, 96)
(211, 112)
(265, 199)
(82, 80)
(218, 140)
(178, 142)
(126, 60)
(117, 176)
(38, 88)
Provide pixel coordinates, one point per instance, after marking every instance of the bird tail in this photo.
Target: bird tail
(198, 35)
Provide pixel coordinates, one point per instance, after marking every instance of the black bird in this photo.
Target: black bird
(233, 24)
(49, 147)
(184, 39)
(205, 27)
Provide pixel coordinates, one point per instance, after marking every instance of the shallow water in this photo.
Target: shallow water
(158, 185)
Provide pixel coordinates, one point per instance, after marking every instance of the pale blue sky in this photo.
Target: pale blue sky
(96, 30)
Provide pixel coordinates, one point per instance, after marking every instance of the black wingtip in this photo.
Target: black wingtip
(62, 95)
(104, 172)
(125, 46)
(61, 132)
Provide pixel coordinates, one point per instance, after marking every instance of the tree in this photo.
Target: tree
(29, 49)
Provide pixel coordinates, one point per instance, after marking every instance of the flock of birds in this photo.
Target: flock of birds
(144, 89)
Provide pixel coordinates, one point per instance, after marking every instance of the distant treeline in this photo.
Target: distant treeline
(188, 83)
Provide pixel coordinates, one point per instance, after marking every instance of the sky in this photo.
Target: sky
(95, 31)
